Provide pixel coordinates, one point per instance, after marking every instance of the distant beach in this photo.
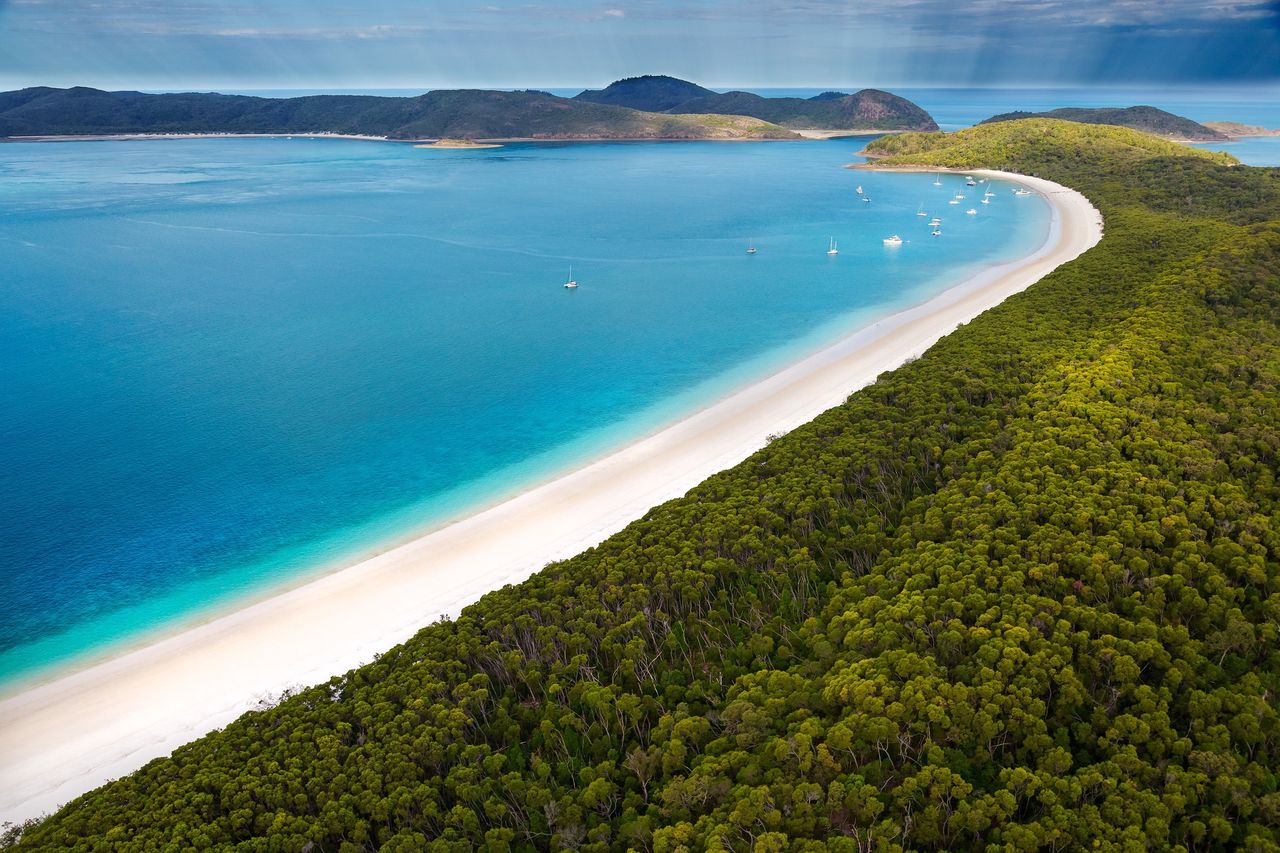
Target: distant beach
(68, 735)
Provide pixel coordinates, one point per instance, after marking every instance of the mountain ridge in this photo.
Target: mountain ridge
(453, 113)
(868, 109)
(1145, 118)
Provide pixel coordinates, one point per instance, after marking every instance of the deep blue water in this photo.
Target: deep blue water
(227, 362)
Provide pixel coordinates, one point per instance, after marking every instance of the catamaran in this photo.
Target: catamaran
(569, 282)
(832, 248)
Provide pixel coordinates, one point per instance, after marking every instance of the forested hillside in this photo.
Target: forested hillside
(1147, 119)
(454, 113)
(1020, 594)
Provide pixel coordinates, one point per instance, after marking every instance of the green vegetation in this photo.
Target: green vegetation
(1148, 119)
(455, 114)
(1020, 594)
(654, 93)
(869, 109)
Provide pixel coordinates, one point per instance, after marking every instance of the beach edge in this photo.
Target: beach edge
(67, 735)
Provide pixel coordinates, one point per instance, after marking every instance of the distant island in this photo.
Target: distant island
(869, 110)
(1235, 129)
(1147, 119)
(627, 109)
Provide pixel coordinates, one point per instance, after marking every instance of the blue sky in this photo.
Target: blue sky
(167, 44)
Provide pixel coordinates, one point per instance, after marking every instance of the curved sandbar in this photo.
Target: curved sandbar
(66, 736)
(458, 144)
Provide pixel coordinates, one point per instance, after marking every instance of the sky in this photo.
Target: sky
(283, 44)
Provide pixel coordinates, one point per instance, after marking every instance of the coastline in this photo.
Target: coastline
(800, 135)
(54, 745)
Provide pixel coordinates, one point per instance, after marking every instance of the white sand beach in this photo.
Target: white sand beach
(68, 735)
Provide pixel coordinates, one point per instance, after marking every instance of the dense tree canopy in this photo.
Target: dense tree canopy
(1020, 594)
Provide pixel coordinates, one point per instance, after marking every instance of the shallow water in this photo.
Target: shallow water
(224, 363)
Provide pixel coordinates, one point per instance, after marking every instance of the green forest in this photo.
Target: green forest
(1022, 593)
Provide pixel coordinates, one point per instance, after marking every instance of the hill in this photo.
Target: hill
(868, 110)
(652, 93)
(1148, 119)
(1021, 593)
(464, 113)
(1234, 129)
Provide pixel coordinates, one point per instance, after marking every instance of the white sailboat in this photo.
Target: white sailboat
(895, 240)
(986, 201)
(935, 222)
(859, 189)
(751, 249)
(921, 212)
(937, 180)
(1021, 191)
(832, 249)
(570, 282)
(973, 211)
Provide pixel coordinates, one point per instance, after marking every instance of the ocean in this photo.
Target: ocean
(228, 364)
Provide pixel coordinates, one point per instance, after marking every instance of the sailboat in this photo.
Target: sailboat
(935, 222)
(1021, 192)
(751, 249)
(937, 181)
(921, 212)
(859, 189)
(986, 201)
(971, 182)
(831, 247)
(569, 282)
(973, 211)
(895, 240)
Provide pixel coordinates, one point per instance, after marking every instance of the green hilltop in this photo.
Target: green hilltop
(1022, 593)
(1148, 119)
(867, 110)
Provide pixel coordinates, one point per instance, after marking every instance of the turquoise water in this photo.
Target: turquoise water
(224, 363)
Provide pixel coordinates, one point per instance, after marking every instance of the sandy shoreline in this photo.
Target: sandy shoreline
(69, 735)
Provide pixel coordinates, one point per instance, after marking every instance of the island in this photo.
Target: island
(864, 112)
(1149, 119)
(1235, 129)
(1017, 592)
(466, 114)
